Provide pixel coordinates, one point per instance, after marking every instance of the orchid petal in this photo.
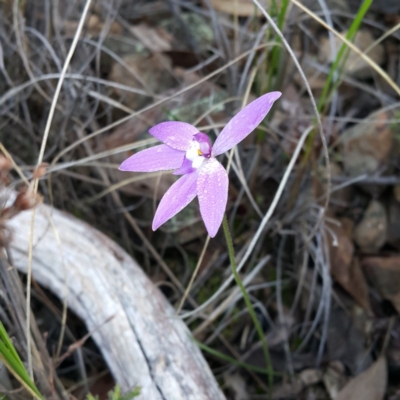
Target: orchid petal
(177, 197)
(212, 189)
(177, 135)
(244, 122)
(185, 168)
(157, 158)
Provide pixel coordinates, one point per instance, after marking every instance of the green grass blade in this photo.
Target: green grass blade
(338, 65)
(249, 305)
(11, 359)
(7, 342)
(276, 53)
(231, 360)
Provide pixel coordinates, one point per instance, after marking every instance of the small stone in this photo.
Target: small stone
(367, 148)
(355, 65)
(367, 145)
(370, 233)
(384, 275)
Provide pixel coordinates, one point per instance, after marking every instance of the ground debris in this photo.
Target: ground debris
(334, 378)
(383, 273)
(236, 384)
(355, 65)
(328, 299)
(370, 233)
(347, 339)
(369, 385)
(243, 8)
(345, 269)
(154, 39)
(393, 231)
(156, 76)
(366, 147)
(305, 379)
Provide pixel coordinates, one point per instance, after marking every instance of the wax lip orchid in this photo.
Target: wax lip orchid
(189, 153)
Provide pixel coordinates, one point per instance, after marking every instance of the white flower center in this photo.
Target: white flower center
(194, 154)
(197, 162)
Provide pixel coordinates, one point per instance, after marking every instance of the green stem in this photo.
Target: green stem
(249, 306)
(276, 53)
(342, 54)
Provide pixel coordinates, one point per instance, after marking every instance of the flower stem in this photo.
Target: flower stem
(249, 306)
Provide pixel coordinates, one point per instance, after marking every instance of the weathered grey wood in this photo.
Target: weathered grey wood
(144, 343)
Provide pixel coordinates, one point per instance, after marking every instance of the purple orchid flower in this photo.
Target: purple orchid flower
(190, 153)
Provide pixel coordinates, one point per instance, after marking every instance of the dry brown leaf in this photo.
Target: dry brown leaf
(5, 164)
(242, 8)
(369, 385)
(154, 70)
(154, 39)
(94, 26)
(354, 64)
(366, 147)
(384, 274)
(345, 269)
(334, 378)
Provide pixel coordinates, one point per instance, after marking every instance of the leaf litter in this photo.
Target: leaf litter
(326, 314)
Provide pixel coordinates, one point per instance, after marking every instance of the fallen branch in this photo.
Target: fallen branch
(143, 342)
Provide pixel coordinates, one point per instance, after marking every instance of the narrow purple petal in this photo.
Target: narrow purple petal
(177, 197)
(244, 122)
(177, 135)
(212, 189)
(157, 158)
(185, 168)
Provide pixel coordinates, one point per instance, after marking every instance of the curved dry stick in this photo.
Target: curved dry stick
(144, 343)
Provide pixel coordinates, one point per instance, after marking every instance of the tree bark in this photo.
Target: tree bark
(142, 340)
